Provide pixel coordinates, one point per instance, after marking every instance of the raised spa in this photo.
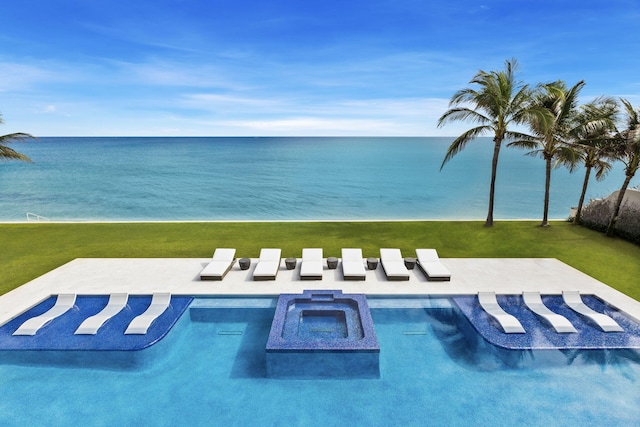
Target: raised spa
(322, 334)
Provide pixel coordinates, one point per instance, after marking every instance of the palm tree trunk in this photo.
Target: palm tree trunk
(584, 192)
(547, 186)
(616, 210)
(492, 187)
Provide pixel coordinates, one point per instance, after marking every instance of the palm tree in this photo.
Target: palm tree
(594, 141)
(629, 154)
(7, 153)
(495, 106)
(553, 132)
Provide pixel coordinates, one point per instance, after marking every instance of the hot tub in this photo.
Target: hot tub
(322, 334)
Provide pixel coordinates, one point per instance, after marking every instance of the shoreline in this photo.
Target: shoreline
(223, 221)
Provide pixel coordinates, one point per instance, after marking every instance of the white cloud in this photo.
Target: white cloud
(15, 76)
(161, 73)
(211, 101)
(234, 115)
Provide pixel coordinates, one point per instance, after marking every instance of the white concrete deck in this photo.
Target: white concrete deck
(180, 276)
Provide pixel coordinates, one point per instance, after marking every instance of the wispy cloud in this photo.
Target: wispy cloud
(22, 76)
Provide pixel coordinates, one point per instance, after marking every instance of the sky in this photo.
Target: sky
(292, 67)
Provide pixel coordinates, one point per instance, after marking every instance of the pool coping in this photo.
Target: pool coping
(180, 276)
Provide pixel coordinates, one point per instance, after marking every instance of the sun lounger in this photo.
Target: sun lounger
(430, 264)
(268, 264)
(353, 264)
(604, 322)
(64, 303)
(91, 324)
(393, 264)
(533, 300)
(311, 266)
(140, 324)
(223, 259)
(508, 323)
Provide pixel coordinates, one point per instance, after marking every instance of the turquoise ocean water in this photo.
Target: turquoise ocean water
(271, 178)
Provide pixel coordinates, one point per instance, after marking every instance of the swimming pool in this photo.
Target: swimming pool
(434, 369)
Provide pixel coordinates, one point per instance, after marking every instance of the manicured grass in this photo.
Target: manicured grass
(30, 250)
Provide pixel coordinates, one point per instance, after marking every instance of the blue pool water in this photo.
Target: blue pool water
(278, 179)
(209, 370)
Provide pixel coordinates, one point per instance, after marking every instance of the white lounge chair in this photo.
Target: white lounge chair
(393, 264)
(91, 324)
(353, 264)
(431, 266)
(311, 266)
(604, 322)
(140, 324)
(268, 264)
(221, 263)
(533, 300)
(508, 323)
(64, 303)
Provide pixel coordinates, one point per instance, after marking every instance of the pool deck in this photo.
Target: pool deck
(180, 276)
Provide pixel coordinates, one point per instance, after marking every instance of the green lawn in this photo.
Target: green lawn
(30, 250)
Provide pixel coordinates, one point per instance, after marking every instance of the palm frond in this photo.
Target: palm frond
(463, 96)
(602, 168)
(15, 137)
(7, 153)
(525, 144)
(460, 142)
(633, 116)
(462, 114)
(510, 135)
(566, 156)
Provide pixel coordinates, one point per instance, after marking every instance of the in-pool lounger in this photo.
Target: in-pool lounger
(140, 324)
(533, 300)
(91, 324)
(508, 323)
(63, 304)
(604, 322)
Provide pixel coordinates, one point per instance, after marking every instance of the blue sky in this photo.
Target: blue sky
(292, 67)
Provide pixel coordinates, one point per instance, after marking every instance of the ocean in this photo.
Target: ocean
(279, 178)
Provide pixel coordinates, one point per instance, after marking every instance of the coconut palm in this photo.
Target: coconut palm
(594, 141)
(553, 132)
(7, 153)
(629, 153)
(500, 102)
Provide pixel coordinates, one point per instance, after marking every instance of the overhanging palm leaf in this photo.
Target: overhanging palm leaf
(7, 153)
(461, 142)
